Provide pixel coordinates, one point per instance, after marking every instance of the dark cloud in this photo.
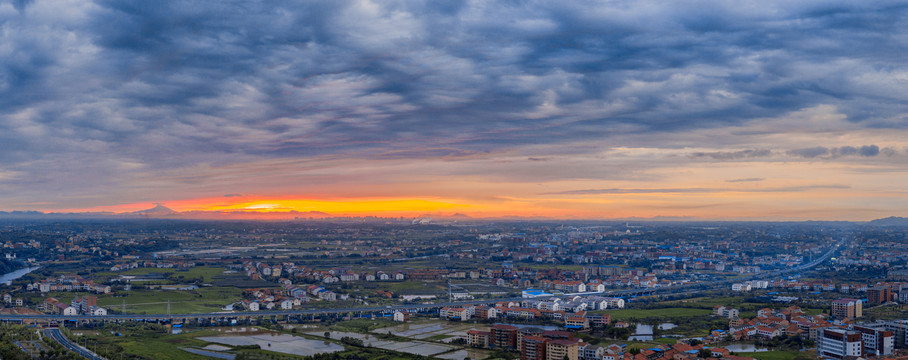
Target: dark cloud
(870, 150)
(845, 151)
(697, 190)
(733, 155)
(865, 151)
(137, 87)
(809, 152)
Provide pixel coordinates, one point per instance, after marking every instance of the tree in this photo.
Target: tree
(705, 353)
(327, 334)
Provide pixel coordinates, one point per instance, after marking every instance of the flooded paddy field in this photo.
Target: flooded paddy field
(282, 343)
(417, 347)
(448, 331)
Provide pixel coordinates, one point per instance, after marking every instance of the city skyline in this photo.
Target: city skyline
(690, 110)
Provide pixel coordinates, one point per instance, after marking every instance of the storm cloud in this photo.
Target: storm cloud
(864, 151)
(96, 95)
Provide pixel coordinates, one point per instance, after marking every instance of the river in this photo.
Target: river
(645, 332)
(9, 277)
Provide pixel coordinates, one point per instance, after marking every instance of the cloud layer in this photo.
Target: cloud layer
(110, 102)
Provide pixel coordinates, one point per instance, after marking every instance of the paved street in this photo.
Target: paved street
(57, 335)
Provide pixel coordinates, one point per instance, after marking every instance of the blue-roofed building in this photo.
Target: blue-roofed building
(535, 293)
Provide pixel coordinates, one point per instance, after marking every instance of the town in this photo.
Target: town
(455, 290)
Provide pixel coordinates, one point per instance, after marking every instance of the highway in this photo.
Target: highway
(57, 335)
(668, 289)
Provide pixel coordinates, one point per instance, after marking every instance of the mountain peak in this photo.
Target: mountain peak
(159, 209)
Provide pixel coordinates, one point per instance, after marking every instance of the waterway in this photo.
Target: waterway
(645, 332)
(10, 276)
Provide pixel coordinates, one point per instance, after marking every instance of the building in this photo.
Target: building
(534, 348)
(879, 295)
(82, 304)
(401, 316)
(768, 332)
(457, 313)
(483, 312)
(877, 340)
(480, 339)
(286, 304)
(503, 337)
(899, 329)
(599, 320)
(563, 349)
(839, 343)
(725, 312)
(524, 332)
(54, 306)
(615, 303)
(847, 308)
(591, 352)
(577, 322)
(740, 287)
(534, 293)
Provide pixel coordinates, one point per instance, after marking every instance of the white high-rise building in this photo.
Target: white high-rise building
(839, 343)
(877, 340)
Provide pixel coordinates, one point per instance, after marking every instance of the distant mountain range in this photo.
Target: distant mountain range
(160, 211)
(890, 221)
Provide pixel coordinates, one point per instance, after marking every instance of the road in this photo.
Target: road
(663, 290)
(57, 335)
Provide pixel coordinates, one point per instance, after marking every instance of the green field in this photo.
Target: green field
(206, 273)
(149, 341)
(669, 341)
(538, 266)
(771, 355)
(886, 312)
(656, 314)
(206, 299)
(163, 348)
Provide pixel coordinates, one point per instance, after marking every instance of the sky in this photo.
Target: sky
(732, 110)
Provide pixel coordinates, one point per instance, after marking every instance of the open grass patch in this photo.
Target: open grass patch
(140, 341)
(207, 299)
(670, 341)
(664, 314)
(771, 355)
(203, 273)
